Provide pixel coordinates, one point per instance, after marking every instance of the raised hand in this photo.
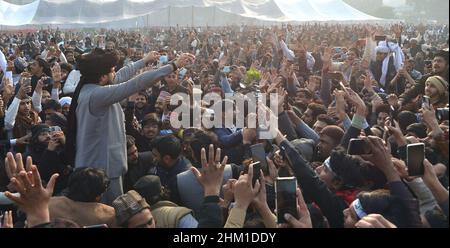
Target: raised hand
(228, 192)
(393, 100)
(326, 57)
(380, 157)
(7, 220)
(34, 198)
(211, 175)
(8, 88)
(13, 165)
(56, 73)
(367, 82)
(185, 59)
(23, 91)
(355, 99)
(282, 94)
(40, 86)
(151, 57)
(264, 80)
(244, 192)
(260, 200)
(273, 171)
(429, 117)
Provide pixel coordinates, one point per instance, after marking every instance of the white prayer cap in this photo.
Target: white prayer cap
(65, 100)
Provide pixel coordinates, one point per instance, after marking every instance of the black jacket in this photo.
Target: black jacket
(210, 215)
(314, 189)
(136, 171)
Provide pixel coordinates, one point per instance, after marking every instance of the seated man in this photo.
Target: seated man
(132, 211)
(82, 201)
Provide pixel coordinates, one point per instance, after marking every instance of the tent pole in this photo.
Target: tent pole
(214, 16)
(168, 18)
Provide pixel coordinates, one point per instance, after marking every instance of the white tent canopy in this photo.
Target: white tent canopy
(178, 12)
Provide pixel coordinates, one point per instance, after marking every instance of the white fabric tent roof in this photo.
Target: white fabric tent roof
(182, 12)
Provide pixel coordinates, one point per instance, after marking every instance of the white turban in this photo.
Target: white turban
(382, 49)
(65, 100)
(399, 57)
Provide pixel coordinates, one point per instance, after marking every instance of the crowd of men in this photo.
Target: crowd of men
(87, 137)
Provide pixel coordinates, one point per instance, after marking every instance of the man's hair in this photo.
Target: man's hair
(390, 206)
(96, 64)
(406, 118)
(382, 109)
(334, 132)
(131, 141)
(144, 94)
(317, 109)
(419, 129)
(167, 145)
(326, 119)
(151, 118)
(52, 104)
(45, 66)
(86, 184)
(66, 66)
(355, 172)
(202, 139)
(443, 54)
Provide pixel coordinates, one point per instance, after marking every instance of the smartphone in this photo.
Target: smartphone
(357, 147)
(9, 75)
(415, 154)
(163, 59)
(97, 226)
(182, 73)
(259, 155)
(392, 114)
(27, 81)
(286, 199)
(425, 101)
(380, 37)
(256, 172)
(227, 69)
